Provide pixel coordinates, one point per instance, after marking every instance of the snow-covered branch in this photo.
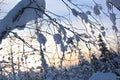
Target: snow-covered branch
(20, 15)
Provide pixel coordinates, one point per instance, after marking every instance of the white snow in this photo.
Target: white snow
(20, 15)
(103, 76)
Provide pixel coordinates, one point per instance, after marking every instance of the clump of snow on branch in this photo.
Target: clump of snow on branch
(109, 6)
(63, 47)
(41, 38)
(77, 37)
(57, 38)
(62, 31)
(114, 27)
(20, 15)
(96, 9)
(82, 15)
(70, 40)
(75, 12)
(113, 18)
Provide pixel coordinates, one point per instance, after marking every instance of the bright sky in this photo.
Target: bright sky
(58, 7)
